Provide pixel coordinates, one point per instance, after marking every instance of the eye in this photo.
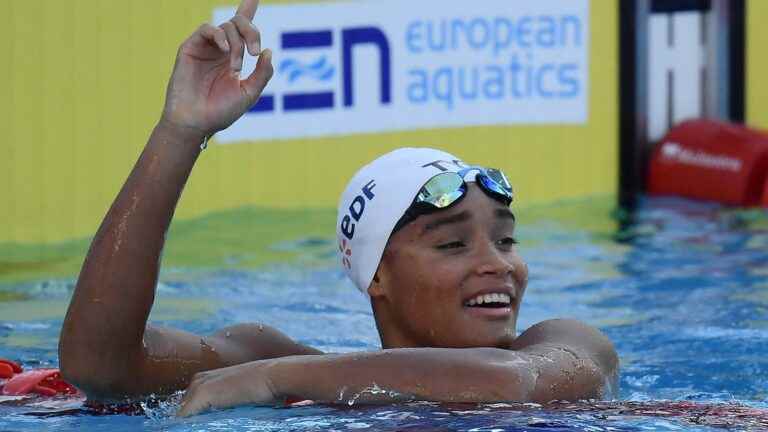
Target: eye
(507, 241)
(451, 245)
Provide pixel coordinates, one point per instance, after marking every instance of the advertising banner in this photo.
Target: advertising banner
(376, 66)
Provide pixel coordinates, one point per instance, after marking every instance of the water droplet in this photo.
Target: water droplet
(341, 394)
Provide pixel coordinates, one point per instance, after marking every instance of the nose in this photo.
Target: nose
(492, 261)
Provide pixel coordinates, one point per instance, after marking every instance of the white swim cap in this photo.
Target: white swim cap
(375, 199)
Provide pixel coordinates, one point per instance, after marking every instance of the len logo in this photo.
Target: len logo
(321, 70)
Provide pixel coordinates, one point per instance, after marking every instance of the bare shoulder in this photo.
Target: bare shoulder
(572, 335)
(258, 341)
(171, 357)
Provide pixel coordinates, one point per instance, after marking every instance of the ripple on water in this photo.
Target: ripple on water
(682, 295)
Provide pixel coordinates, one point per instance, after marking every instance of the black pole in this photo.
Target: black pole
(629, 175)
(737, 25)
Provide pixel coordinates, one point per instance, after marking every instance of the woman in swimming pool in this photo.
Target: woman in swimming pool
(428, 238)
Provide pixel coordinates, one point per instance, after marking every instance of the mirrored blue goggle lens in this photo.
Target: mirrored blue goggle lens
(442, 190)
(499, 177)
(498, 185)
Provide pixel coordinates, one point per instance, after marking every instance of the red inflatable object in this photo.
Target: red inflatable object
(709, 160)
(8, 369)
(765, 193)
(43, 382)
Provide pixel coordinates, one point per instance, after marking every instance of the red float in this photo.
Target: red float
(710, 160)
(765, 194)
(41, 382)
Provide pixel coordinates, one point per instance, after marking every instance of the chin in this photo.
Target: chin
(503, 341)
(494, 337)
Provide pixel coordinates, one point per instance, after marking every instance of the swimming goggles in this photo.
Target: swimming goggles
(448, 188)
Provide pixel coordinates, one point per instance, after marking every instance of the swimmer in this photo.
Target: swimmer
(429, 238)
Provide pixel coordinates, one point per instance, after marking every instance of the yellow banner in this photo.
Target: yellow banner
(757, 64)
(83, 84)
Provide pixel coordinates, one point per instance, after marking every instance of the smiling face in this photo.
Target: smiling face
(451, 278)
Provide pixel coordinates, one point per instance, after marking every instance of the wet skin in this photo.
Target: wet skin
(430, 269)
(435, 264)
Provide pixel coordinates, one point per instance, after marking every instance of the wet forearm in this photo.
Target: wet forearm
(542, 374)
(443, 375)
(115, 289)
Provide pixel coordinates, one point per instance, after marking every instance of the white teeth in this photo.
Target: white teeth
(490, 298)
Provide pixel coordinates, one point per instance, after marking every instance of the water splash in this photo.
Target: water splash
(160, 408)
(375, 390)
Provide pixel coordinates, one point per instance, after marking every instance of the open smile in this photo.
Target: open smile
(490, 305)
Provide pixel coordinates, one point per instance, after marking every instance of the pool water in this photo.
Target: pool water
(681, 288)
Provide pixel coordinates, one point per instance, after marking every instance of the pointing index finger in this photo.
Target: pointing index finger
(248, 9)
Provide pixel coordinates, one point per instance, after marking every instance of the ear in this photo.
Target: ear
(377, 288)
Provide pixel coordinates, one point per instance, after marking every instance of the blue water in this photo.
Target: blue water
(682, 291)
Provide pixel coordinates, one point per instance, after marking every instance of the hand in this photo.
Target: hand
(243, 384)
(205, 92)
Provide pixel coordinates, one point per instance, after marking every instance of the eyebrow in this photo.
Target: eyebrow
(453, 219)
(505, 213)
(464, 216)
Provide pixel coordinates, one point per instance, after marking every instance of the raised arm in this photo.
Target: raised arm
(106, 348)
(554, 360)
